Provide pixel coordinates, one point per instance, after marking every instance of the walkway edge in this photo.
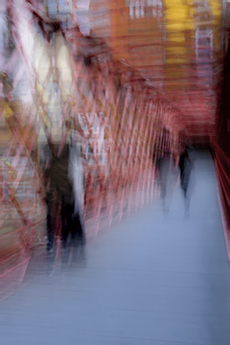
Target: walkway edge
(223, 219)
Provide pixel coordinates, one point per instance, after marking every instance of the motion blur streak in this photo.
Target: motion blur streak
(107, 108)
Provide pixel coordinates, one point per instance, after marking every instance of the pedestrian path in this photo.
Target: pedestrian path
(152, 280)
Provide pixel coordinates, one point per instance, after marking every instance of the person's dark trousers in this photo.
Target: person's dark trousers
(67, 222)
(77, 229)
(50, 221)
(184, 188)
(185, 179)
(181, 166)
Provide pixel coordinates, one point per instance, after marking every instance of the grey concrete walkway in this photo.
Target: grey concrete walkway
(150, 281)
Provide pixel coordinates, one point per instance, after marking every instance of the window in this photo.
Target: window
(204, 44)
(137, 8)
(56, 7)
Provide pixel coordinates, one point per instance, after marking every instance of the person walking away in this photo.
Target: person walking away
(185, 166)
(60, 194)
(76, 175)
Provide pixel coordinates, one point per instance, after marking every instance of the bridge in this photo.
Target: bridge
(122, 100)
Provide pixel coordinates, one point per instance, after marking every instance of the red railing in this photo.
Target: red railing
(109, 109)
(223, 173)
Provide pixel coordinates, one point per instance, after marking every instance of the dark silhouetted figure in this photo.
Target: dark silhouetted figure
(60, 195)
(186, 165)
(185, 170)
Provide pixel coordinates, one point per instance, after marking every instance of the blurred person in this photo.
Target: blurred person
(186, 167)
(61, 195)
(157, 156)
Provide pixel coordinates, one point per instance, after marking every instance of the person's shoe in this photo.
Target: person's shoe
(186, 214)
(166, 212)
(74, 241)
(65, 250)
(83, 241)
(50, 251)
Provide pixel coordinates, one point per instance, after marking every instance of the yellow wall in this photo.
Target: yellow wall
(182, 19)
(179, 40)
